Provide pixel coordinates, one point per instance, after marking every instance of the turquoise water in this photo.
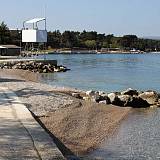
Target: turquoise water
(107, 72)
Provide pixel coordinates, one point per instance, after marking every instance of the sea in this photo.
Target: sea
(106, 72)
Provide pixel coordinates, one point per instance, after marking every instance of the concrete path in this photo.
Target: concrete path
(21, 137)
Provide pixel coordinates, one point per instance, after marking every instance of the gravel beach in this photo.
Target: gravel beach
(78, 124)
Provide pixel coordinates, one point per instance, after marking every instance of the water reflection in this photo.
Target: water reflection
(47, 77)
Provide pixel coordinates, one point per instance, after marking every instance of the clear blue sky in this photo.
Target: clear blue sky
(140, 17)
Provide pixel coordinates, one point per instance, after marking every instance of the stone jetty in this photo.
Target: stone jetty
(127, 98)
(40, 66)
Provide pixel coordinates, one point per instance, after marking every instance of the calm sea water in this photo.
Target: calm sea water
(137, 138)
(107, 72)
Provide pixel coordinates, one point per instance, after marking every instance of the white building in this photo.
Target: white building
(34, 34)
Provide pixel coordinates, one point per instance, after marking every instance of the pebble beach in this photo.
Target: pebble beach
(78, 124)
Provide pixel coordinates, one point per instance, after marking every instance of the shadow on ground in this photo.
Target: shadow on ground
(10, 80)
(68, 154)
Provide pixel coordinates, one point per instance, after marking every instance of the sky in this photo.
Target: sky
(118, 17)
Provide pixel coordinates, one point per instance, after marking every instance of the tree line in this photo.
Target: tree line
(83, 40)
(94, 40)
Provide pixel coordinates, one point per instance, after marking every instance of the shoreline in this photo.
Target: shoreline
(29, 54)
(80, 125)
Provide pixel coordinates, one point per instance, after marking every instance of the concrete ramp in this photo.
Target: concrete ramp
(21, 136)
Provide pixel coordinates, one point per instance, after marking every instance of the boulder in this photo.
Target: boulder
(112, 97)
(49, 68)
(158, 103)
(154, 106)
(56, 70)
(103, 102)
(104, 95)
(124, 100)
(105, 98)
(150, 96)
(138, 102)
(44, 71)
(95, 98)
(130, 92)
(92, 93)
(5, 67)
(101, 93)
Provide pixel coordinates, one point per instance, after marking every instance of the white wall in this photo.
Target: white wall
(34, 36)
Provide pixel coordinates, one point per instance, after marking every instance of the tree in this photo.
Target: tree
(105, 44)
(69, 39)
(129, 41)
(91, 44)
(54, 39)
(100, 40)
(15, 36)
(84, 36)
(4, 34)
(108, 39)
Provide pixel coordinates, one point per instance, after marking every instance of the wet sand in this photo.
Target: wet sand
(80, 125)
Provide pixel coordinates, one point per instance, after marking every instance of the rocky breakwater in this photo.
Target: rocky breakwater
(34, 66)
(127, 98)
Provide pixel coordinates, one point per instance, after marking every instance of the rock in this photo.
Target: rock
(105, 98)
(138, 102)
(154, 106)
(56, 70)
(92, 93)
(14, 67)
(124, 99)
(76, 95)
(48, 68)
(44, 71)
(158, 104)
(34, 66)
(101, 93)
(150, 96)
(130, 92)
(95, 98)
(104, 94)
(112, 97)
(5, 67)
(103, 102)
(62, 68)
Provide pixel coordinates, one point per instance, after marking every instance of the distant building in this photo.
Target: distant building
(9, 50)
(34, 34)
(106, 50)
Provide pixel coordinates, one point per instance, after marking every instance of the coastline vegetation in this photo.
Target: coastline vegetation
(90, 40)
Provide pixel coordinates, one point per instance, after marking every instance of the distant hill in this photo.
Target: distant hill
(152, 37)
